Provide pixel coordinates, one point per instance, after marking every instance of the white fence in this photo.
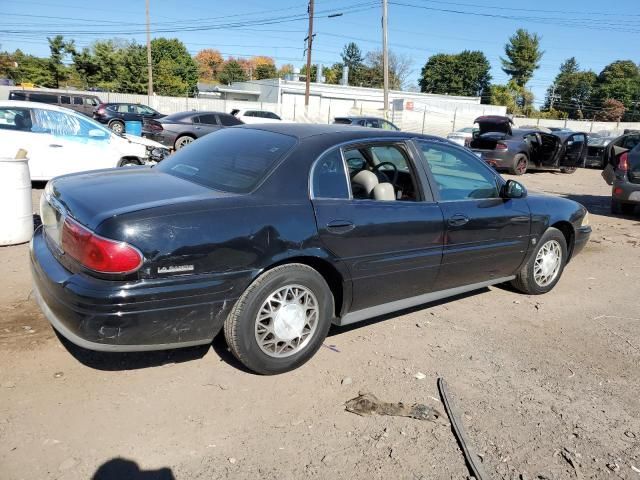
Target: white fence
(424, 118)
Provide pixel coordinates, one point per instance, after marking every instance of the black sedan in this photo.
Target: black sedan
(180, 129)
(519, 150)
(274, 232)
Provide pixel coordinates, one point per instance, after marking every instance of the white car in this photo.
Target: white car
(255, 116)
(60, 141)
(462, 136)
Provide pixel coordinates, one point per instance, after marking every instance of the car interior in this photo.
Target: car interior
(543, 146)
(381, 172)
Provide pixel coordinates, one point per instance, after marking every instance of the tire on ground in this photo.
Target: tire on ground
(117, 126)
(182, 141)
(240, 325)
(520, 164)
(525, 280)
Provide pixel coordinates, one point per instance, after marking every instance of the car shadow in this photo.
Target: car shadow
(123, 469)
(337, 330)
(598, 204)
(115, 361)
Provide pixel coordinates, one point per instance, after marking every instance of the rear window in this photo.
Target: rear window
(229, 120)
(342, 121)
(230, 160)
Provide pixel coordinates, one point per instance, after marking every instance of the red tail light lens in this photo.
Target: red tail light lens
(623, 162)
(154, 126)
(501, 146)
(97, 253)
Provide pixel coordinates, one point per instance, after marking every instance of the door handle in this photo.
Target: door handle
(55, 145)
(458, 220)
(340, 226)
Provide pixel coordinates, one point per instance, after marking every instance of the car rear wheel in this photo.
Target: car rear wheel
(117, 127)
(183, 141)
(544, 269)
(520, 164)
(281, 320)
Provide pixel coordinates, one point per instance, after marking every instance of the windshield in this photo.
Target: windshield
(231, 160)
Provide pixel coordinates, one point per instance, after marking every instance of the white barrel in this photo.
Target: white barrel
(16, 212)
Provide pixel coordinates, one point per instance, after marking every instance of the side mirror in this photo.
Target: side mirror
(513, 189)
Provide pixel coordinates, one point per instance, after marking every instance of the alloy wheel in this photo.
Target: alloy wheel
(547, 263)
(521, 167)
(286, 321)
(117, 127)
(183, 141)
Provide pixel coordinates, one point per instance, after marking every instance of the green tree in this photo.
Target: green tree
(352, 58)
(517, 99)
(231, 72)
(333, 74)
(31, 69)
(523, 56)
(177, 70)
(619, 80)
(372, 73)
(132, 74)
(466, 73)
(572, 90)
(266, 70)
(60, 49)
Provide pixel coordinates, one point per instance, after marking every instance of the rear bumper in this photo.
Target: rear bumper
(582, 237)
(626, 192)
(500, 160)
(121, 316)
(166, 140)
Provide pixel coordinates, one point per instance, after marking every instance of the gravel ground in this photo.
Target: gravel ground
(548, 386)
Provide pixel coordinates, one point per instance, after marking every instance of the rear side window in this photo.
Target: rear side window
(77, 100)
(342, 121)
(15, 119)
(251, 113)
(231, 160)
(43, 98)
(17, 96)
(65, 100)
(229, 120)
(328, 178)
(207, 119)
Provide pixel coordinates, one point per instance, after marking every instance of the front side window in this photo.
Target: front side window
(43, 98)
(91, 102)
(458, 175)
(388, 125)
(230, 160)
(69, 126)
(77, 100)
(144, 110)
(229, 120)
(328, 178)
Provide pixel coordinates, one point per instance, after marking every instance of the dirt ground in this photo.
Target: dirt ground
(549, 386)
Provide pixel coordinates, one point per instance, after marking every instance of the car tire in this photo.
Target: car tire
(183, 141)
(520, 164)
(117, 126)
(129, 162)
(619, 208)
(540, 274)
(266, 328)
(568, 170)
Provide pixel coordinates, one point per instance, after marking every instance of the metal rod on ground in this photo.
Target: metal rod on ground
(385, 57)
(309, 46)
(149, 66)
(473, 462)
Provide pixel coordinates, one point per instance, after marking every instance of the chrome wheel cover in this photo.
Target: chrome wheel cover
(286, 321)
(183, 142)
(547, 263)
(117, 127)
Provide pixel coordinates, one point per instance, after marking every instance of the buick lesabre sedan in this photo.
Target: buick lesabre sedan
(274, 232)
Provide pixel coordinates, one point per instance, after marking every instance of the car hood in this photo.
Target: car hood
(92, 197)
(142, 141)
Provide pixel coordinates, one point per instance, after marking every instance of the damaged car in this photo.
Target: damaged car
(59, 141)
(516, 151)
(272, 233)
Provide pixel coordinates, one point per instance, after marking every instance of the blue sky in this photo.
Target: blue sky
(595, 32)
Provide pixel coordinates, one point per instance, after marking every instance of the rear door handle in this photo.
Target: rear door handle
(458, 220)
(340, 226)
(55, 145)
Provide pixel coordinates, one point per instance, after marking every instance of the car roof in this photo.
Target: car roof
(52, 92)
(307, 130)
(360, 117)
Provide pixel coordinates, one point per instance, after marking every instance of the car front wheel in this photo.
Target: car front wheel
(117, 127)
(544, 269)
(281, 320)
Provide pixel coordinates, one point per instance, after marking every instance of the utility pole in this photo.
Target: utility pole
(309, 40)
(149, 66)
(552, 97)
(385, 57)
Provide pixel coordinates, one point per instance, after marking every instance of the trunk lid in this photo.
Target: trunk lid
(494, 123)
(92, 197)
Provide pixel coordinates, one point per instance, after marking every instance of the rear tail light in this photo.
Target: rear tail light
(96, 253)
(623, 162)
(501, 146)
(101, 109)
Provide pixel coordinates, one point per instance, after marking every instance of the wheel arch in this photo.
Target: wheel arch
(115, 120)
(129, 157)
(569, 234)
(331, 275)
